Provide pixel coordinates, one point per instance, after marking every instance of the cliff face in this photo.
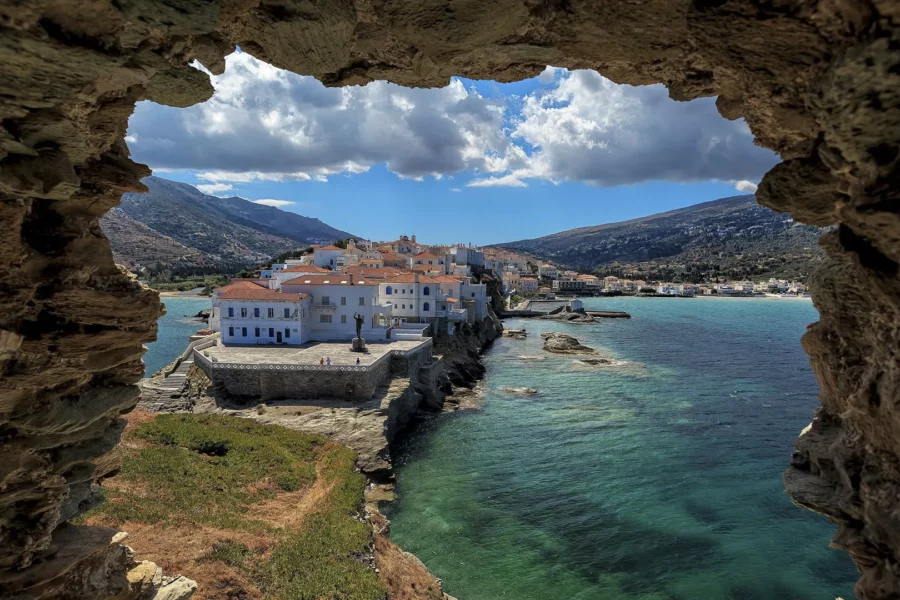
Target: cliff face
(818, 82)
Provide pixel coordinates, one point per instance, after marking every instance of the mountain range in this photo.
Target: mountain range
(175, 226)
(732, 237)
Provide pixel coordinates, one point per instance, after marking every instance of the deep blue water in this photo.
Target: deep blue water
(657, 478)
(175, 330)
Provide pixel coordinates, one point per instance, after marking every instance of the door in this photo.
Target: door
(278, 337)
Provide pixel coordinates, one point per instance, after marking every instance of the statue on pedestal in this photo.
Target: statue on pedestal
(359, 323)
(358, 344)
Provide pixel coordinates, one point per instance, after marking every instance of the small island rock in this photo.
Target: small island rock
(560, 343)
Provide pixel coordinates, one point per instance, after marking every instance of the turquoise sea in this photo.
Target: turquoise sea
(656, 478)
(175, 329)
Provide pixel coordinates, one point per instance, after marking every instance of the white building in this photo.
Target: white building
(293, 272)
(263, 316)
(273, 268)
(411, 296)
(428, 259)
(462, 255)
(328, 256)
(335, 299)
(548, 271)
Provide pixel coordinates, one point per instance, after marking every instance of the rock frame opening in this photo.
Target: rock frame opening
(818, 82)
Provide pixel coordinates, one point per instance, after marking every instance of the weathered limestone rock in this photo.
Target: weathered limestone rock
(817, 81)
(560, 343)
(176, 588)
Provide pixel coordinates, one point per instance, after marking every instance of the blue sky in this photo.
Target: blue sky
(380, 206)
(475, 161)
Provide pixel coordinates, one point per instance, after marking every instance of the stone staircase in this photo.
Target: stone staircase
(166, 396)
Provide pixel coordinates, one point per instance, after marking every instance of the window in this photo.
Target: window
(231, 332)
(326, 300)
(362, 301)
(230, 311)
(473, 294)
(287, 313)
(324, 318)
(426, 307)
(426, 291)
(404, 306)
(387, 290)
(256, 332)
(243, 332)
(343, 300)
(256, 312)
(343, 318)
(287, 332)
(271, 332)
(271, 313)
(243, 312)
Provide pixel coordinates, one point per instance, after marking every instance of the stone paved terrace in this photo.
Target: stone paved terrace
(309, 353)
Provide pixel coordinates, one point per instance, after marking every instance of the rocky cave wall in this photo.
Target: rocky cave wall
(817, 81)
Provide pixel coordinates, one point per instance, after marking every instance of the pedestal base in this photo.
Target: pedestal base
(358, 345)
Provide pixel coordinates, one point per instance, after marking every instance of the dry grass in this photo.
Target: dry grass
(247, 510)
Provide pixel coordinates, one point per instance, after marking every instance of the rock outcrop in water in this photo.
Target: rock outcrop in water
(569, 317)
(560, 343)
(816, 81)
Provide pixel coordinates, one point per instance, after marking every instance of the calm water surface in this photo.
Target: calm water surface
(658, 478)
(175, 329)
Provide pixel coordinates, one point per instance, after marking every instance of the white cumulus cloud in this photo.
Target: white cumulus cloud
(214, 188)
(273, 202)
(746, 186)
(265, 124)
(511, 180)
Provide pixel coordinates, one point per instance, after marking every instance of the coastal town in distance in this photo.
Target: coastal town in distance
(405, 283)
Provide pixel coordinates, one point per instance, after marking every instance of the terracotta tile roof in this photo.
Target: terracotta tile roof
(334, 279)
(246, 293)
(240, 284)
(411, 278)
(452, 300)
(448, 279)
(372, 272)
(426, 255)
(304, 269)
(330, 247)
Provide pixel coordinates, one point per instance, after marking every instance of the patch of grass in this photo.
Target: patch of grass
(233, 554)
(318, 560)
(210, 470)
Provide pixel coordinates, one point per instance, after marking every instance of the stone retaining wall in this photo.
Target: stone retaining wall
(273, 381)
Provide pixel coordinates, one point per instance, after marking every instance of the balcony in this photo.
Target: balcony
(323, 308)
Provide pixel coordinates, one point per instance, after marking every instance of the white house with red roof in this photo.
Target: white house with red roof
(254, 315)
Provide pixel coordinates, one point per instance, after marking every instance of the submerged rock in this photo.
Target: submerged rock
(518, 334)
(520, 390)
(595, 361)
(560, 343)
